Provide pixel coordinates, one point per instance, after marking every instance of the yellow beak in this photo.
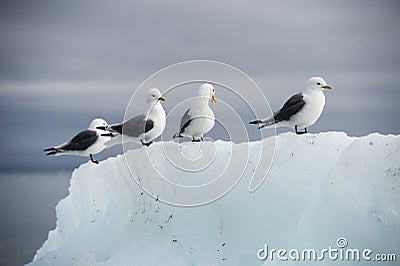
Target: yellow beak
(161, 99)
(327, 87)
(213, 100)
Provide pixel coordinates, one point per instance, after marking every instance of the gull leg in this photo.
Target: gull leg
(300, 132)
(146, 144)
(93, 160)
(195, 140)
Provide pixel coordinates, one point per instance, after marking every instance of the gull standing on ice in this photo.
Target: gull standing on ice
(141, 128)
(301, 110)
(199, 118)
(85, 143)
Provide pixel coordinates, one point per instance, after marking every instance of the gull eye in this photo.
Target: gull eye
(318, 83)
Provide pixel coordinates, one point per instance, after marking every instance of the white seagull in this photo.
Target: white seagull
(142, 128)
(85, 143)
(199, 118)
(301, 110)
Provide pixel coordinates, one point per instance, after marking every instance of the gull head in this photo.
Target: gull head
(318, 84)
(154, 95)
(98, 122)
(207, 90)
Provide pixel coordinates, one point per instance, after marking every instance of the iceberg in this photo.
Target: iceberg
(321, 190)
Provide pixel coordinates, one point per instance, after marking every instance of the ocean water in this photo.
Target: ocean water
(27, 208)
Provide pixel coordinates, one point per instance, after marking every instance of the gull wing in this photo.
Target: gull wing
(81, 141)
(185, 121)
(292, 106)
(137, 125)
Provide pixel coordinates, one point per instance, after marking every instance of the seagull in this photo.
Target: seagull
(142, 128)
(199, 118)
(85, 143)
(301, 110)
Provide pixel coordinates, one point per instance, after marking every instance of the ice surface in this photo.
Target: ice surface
(319, 188)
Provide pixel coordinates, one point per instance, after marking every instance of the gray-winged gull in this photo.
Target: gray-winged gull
(199, 118)
(85, 143)
(301, 110)
(142, 128)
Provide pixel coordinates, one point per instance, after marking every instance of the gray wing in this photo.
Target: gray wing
(292, 106)
(185, 121)
(137, 125)
(81, 141)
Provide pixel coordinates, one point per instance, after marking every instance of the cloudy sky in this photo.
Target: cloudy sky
(62, 63)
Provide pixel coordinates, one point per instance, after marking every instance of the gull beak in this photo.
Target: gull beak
(213, 100)
(327, 87)
(161, 99)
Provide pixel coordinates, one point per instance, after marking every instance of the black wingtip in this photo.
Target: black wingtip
(101, 127)
(115, 128)
(255, 122)
(51, 153)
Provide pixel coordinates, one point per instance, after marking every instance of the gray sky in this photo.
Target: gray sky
(55, 55)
